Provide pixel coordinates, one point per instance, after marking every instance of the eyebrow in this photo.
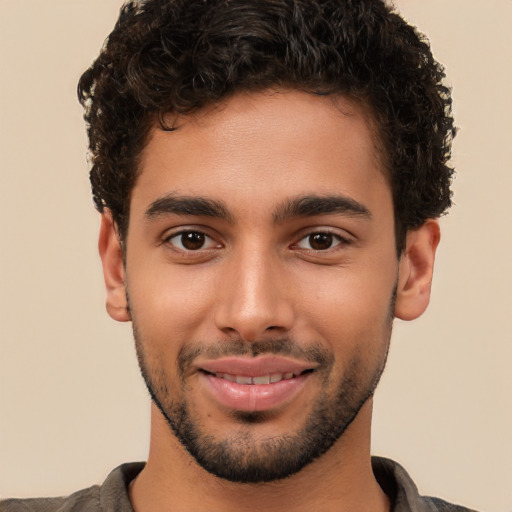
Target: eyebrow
(301, 206)
(312, 205)
(185, 205)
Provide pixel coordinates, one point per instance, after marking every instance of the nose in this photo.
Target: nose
(254, 299)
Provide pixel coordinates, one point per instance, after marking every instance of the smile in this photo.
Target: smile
(263, 379)
(258, 370)
(249, 393)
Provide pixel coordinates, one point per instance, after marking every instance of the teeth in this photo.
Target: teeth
(263, 379)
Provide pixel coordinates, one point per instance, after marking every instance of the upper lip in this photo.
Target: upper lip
(255, 367)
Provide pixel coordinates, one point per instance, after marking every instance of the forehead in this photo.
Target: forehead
(260, 146)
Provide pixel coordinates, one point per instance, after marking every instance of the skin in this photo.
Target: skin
(258, 277)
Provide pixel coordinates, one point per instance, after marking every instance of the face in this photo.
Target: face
(261, 274)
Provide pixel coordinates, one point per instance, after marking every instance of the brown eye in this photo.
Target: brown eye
(321, 241)
(191, 241)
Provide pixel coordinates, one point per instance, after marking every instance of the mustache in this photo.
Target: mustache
(313, 352)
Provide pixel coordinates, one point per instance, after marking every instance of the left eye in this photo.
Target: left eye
(191, 241)
(320, 241)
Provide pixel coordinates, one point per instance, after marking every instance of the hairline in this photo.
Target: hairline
(157, 121)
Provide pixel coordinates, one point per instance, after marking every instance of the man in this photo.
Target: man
(269, 175)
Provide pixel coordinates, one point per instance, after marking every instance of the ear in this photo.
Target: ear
(111, 255)
(415, 270)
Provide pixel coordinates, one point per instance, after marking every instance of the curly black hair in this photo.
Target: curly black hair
(181, 55)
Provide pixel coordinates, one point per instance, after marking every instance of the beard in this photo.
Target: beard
(242, 457)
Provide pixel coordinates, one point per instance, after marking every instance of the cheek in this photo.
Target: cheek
(350, 308)
(169, 304)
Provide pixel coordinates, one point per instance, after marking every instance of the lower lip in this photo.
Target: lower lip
(253, 397)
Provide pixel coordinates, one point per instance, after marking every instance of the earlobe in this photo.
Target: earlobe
(416, 269)
(113, 269)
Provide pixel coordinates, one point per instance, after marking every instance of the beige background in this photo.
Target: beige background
(72, 404)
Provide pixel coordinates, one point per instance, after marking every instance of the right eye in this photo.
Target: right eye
(191, 240)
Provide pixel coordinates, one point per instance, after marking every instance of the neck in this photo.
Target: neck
(342, 479)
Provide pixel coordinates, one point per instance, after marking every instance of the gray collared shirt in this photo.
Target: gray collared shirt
(112, 496)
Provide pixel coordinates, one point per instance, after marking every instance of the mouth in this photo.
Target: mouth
(270, 378)
(260, 384)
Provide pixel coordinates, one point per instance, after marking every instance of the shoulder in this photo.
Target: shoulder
(86, 500)
(403, 493)
(439, 505)
(111, 496)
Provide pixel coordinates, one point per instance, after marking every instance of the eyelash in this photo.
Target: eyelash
(335, 237)
(340, 240)
(168, 240)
